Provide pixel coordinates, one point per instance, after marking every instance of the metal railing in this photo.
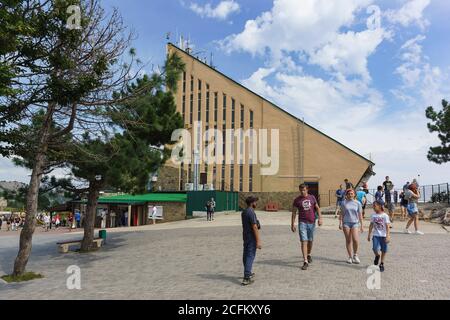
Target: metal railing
(436, 193)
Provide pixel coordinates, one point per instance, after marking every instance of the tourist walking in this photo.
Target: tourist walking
(1, 222)
(380, 228)
(348, 184)
(77, 219)
(413, 196)
(379, 195)
(361, 197)
(208, 207)
(213, 208)
(340, 195)
(388, 186)
(350, 222)
(250, 235)
(403, 204)
(306, 205)
(46, 222)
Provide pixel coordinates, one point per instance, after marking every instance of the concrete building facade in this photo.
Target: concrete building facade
(306, 155)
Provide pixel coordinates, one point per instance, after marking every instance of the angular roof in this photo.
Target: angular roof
(273, 104)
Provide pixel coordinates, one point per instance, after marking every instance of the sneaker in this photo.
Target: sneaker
(381, 267)
(356, 259)
(247, 281)
(419, 232)
(309, 258)
(407, 231)
(252, 275)
(377, 259)
(305, 266)
(350, 261)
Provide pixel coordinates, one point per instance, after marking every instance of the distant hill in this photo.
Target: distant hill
(11, 185)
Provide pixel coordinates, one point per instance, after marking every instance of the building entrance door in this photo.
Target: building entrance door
(313, 188)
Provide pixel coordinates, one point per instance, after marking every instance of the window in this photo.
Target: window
(184, 82)
(232, 178)
(250, 178)
(214, 176)
(192, 84)
(207, 103)
(251, 119)
(189, 173)
(242, 116)
(224, 108)
(215, 106)
(182, 177)
(223, 178)
(199, 110)
(241, 177)
(233, 111)
(183, 112)
(191, 108)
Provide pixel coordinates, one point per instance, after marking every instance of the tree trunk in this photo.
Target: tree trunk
(26, 235)
(89, 219)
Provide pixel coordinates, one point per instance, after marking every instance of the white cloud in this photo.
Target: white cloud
(410, 13)
(348, 52)
(295, 26)
(335, 101)
(312, 28)
(221, 11)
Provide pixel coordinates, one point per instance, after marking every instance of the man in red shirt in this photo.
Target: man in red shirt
(307, 206)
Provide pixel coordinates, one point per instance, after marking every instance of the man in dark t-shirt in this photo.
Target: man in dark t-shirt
(250, 235)
(388, 186)
(307, 206)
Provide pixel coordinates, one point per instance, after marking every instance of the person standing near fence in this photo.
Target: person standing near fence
(340, 195)
(413, 196)
(388, 186)
(361, 197)
(379, 194)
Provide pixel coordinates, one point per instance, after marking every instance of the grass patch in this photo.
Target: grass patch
(27, 276)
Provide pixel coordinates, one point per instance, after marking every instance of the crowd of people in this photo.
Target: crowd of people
(351, 206)
(13, 222)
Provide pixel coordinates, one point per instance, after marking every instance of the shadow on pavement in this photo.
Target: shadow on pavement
(222, 277)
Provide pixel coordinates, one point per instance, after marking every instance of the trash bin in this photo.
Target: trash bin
(102, 234)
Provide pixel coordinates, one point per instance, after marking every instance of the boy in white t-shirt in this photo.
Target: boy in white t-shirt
(380, 225)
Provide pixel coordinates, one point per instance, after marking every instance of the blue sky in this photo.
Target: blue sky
(365, 83)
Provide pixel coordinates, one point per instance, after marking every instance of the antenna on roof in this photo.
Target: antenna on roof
(168, 36)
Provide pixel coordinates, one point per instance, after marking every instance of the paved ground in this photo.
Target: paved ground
(196, 259)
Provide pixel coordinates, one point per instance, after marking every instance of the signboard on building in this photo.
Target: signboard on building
(155, 214)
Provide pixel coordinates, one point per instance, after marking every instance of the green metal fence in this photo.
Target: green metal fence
(225, 201)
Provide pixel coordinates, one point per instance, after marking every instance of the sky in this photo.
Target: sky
(361, 71)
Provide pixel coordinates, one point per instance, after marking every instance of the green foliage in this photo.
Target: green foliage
(27, 276)
(440, 124)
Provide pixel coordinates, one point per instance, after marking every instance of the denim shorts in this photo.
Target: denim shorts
(379, 244)
(412, 208)
(306, 231)
(351, 225)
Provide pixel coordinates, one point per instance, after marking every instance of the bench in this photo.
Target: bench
(271, 206)
(64, 246)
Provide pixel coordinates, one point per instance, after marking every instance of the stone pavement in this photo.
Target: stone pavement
(196, 259)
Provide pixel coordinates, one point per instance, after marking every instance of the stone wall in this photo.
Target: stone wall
(172, 211)
(167, 179)
(283, 199)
